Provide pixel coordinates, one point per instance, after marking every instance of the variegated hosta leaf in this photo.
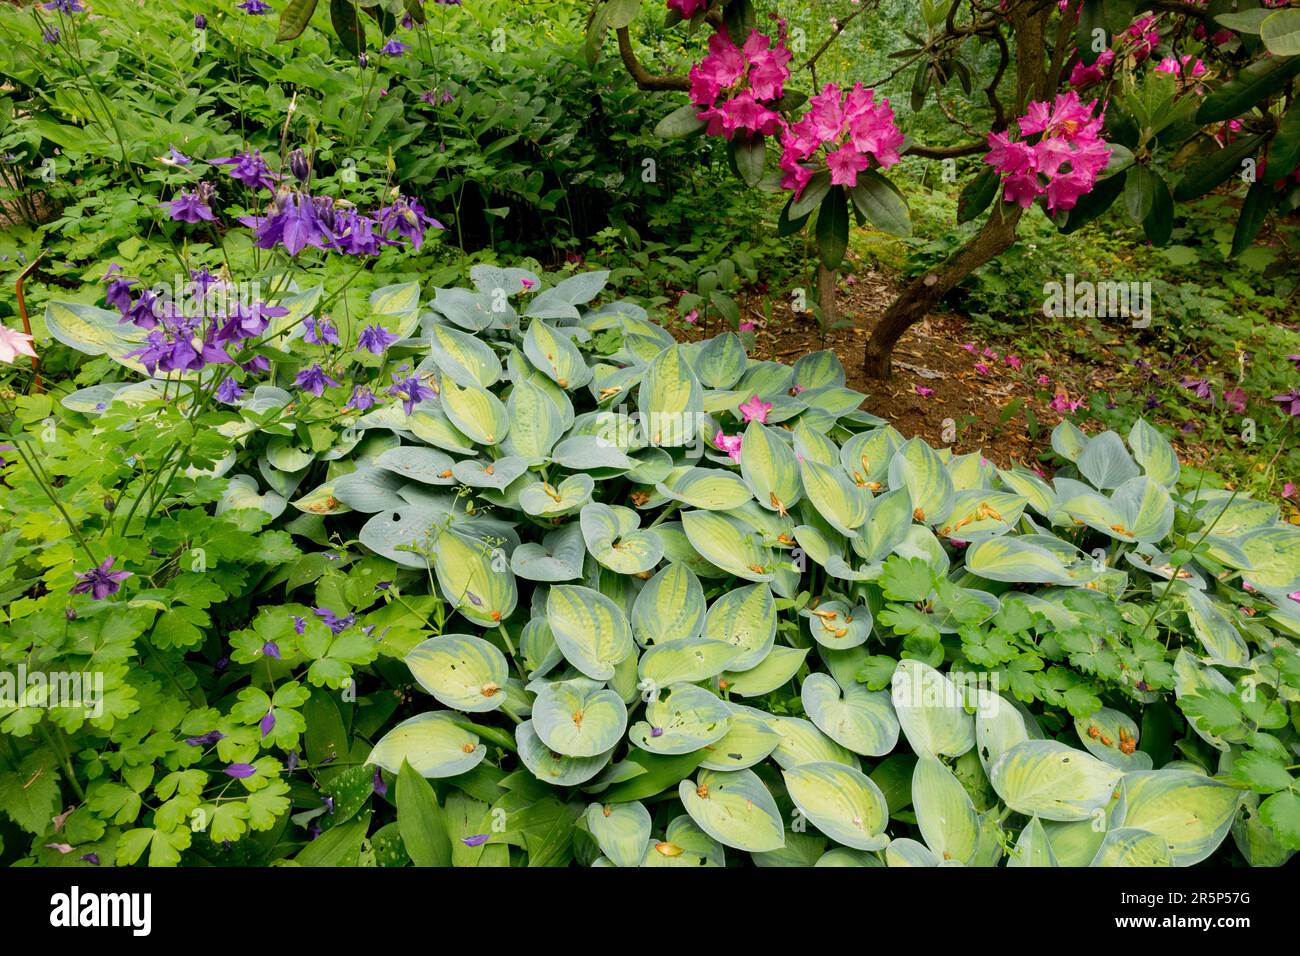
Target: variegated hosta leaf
(1033, 848)
(474, 579)
(496, 474)
(1105, 462)
(1112, 736)
(931, 711)
(1131, 846)
(425, 465)
(735, 809)
(554, 768)
(558, 558)
(684, 844)
(536, 424)
(1052, 780)
(669, 608)
(1190, 812)
(835, 625)
(770, 469)
(434, 744)
(1154, 453)
(944, 812)
(321, 501)
(621, 830)
(1274, 556)
(579, 717)
(464, 358)
(241, 492)
(1068, 440)
(908, 852)
(720, 361)
(778, 667)
(590, 629)
(475, 411)
(1031, 487)
(887, 526)
(680, 720)
(461, 671)
(980, 513)
(998, 727)
(839, 501)
(670, 399)
(555, 354)
(856, 718)
(613, 539)
(690, 660)
(1015, 561)
(744, 618)
(708, 488)
(843, 803)
(748, 741)
(541, 499)
(730, 545)
(918, 467)
(802, 743)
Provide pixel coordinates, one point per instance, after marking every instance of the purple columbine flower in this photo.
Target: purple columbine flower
(408, 218)
(320, 332)
(314, 380)
(101, 581)
(254, 7)
(335, 623)
(144, 312)
(240, 771)
(65, 6)
(190, 206)
(249, 168)
(375, 338)
(1290, 402)
(118, 293)
(229, 392)
(394, 48)
(354, 235)
(271, 649)
(411, 390)
(477, 840)
(51, 35)
(200, 22)
(329, 804)
(300, 165)
(295, 221)
(380, 787)
(203, 740)
(91, 858)
(247, 322)
(176, 158)
(1294, 360)
(362, 398)
(257, 364)
(291, 762)
(1199, 387)
(299, 624)
(267, 723)
(363, 61)
(220, 664)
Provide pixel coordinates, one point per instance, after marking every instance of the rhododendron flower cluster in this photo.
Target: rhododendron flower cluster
(1176, 67)
(1065, 161)
(1145, 37)
(1082, 75)
(854, 129)
(688, 8)
(735, 87)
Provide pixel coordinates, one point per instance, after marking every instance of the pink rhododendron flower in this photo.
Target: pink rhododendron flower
(1082, 75)
(1013, 360)
(691, 317)
(755, 410)
(1144, 36)
(1288, 490)
(746, 326)
(923, 391)
(1044, 380)
(1061, 403)
(1295, 596)
(856, 132)
(982, 368)
(734, 87)
(688, 8)
(1235, 399)
(1065, 161)
(1175, 67)
(729, 443)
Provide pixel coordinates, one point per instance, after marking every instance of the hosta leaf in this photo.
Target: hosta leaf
(685, 661)
(542, 499)
(680, 720)
(1190, 812)
(728, 544)
(613, 539)
(461, 671)
(930, 710)
(1105, 462)
(621, 830)
(769, 468)
(578, 718)
(536, 424)
(842, 504)
(1224, 645)
(670, 399)
(841, 802)
(856, 718)
(706, 488)
(558, 558)
(553, 768)
(748, 741)
(434, 744)
(1154, 453)
(1131, 846)
(1052, 780)
(554, 354)
(802, 743)
(425, 465)
(95, 331)
(778, 667)
(944, 812)
(475, 411)
(1015, 561)
(464, 358)
(918, 467)
(590, 629)
(835, 625)
(669, 608)
(1112, 736)
(1033, 848)
(474, 579)
(735, 809)
(720, 361)
(744, 618)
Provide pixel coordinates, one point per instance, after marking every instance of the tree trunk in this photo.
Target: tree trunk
(826, 297)
(924, 292)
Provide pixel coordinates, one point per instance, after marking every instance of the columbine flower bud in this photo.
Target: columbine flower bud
(300, 165)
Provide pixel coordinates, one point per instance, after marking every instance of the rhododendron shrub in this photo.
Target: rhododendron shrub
(1088, 101)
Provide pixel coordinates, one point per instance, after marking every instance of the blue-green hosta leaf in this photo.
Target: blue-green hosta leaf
(495, 474)
(494, 280)
(425, 465)
(684, 845)
(1191, 680)
(669, 608)
(748, 741)
(818, 370)
(613, 539)
(720, 361)
(835, 625)
(979, 513)
(465, 359)
(554, 768)
(887, 525)
(1231, 514)
(621, 830)
(95, 331)
(591, 453)
(1112, 736)
(998, 727)
(843, 856)
(474, 579)
(1015, 561)
(1068, 440)
(395, 532)
(802, 743)
(1189, 811)
(286, 456)
(579, 717)
(475, 411)
(474, 311)
(777, 668)
(1054, 781)
(429, 423)
(1223, 643)
(1154, 453)
(1132, 846)
(944, 812)
(554, 354)
(843, 803)
(970, 472)
(919, 468)
(769, 468)
(1033, 848)
(1274, 555)
(537, 648)
(1075, 844)
(908, 852)
(690, 660)
(813, 445)
(400, 299)
(842, 504)
(536, 423)
(1031, 487)
(930, 709)
(590, 629)
(461, 671)
(744, 618)
(680, 720)
(856, 718)
(670, 399)
(766, 379)
(708, 488)
(729, 544)
(735, 809)
(558, 558)
(1105, 462)
(241, 492)
(434, 744)
(866, 456)
(541, 499)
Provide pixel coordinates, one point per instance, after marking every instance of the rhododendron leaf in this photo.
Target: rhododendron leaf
(881, 202)
(680, 123)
